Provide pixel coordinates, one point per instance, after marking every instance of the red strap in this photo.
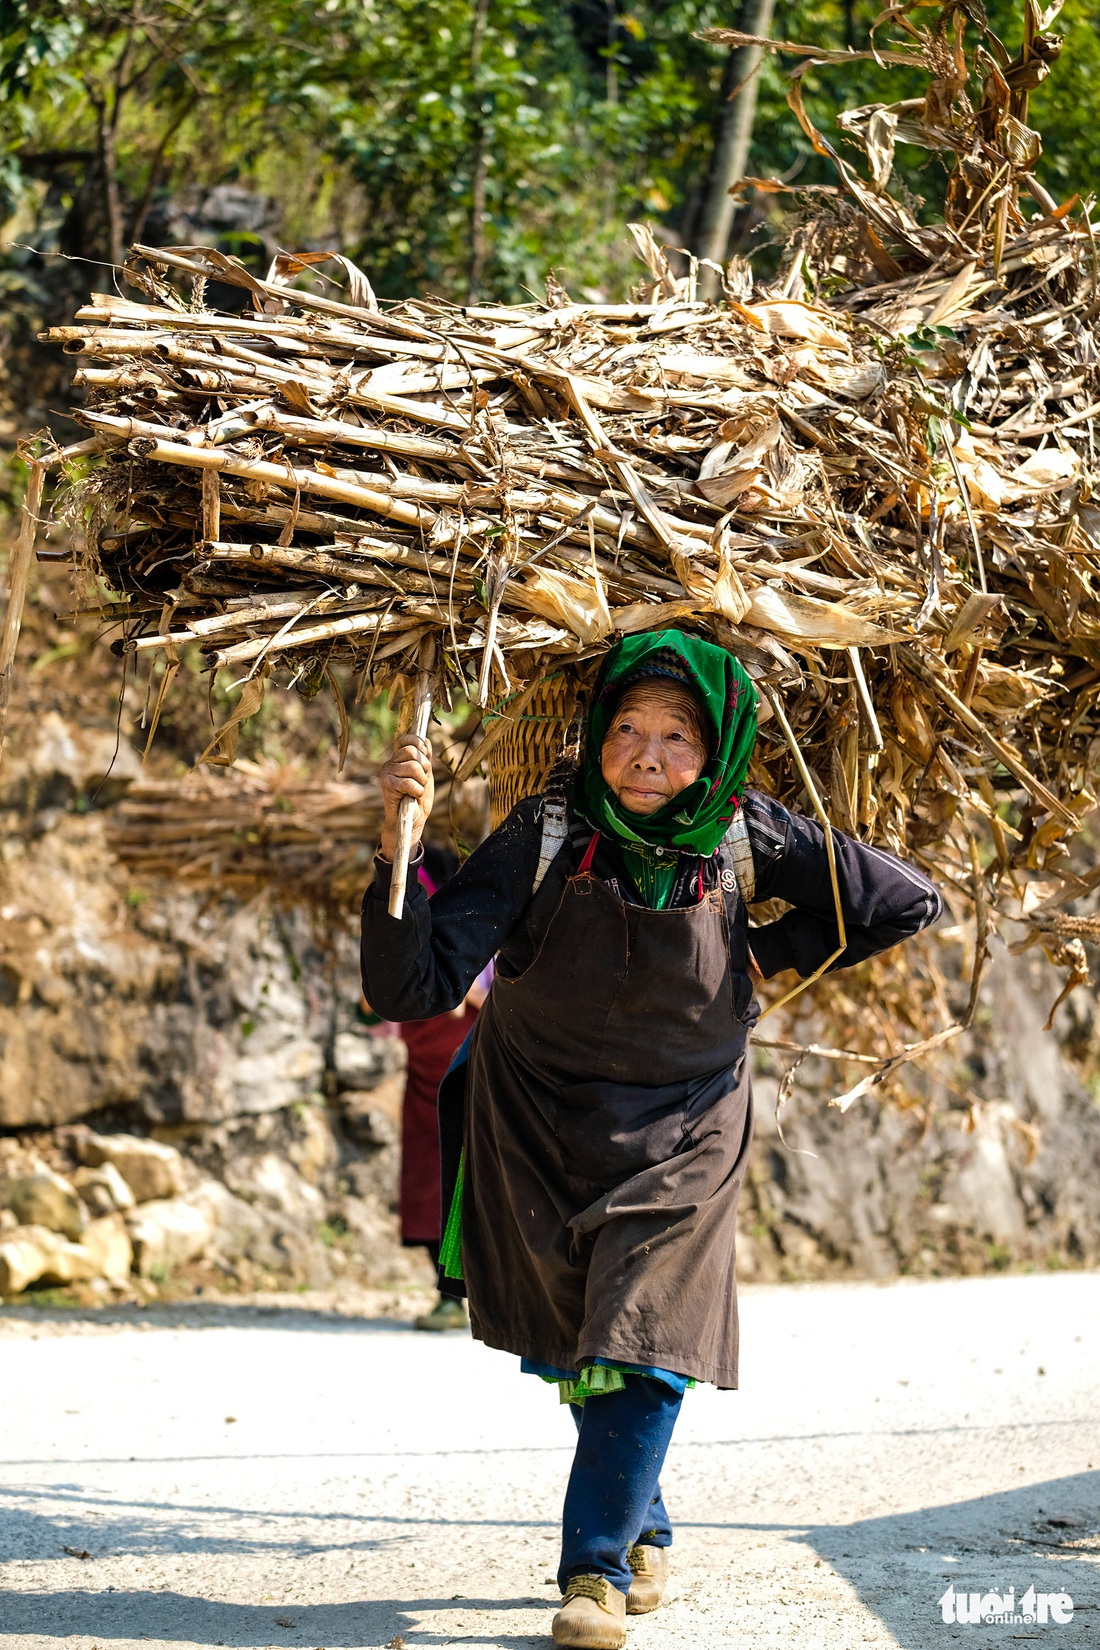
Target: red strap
(589, 855)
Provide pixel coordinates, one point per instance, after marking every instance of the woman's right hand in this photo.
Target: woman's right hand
(408, 772)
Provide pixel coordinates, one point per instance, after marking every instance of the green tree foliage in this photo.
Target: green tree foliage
(437, 141)
(1066, 108)
(113, 97)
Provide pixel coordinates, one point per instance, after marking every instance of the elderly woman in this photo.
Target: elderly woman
(595, 1137)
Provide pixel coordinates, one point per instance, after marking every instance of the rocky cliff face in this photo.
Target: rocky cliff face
(180, 1008)
(995, 1163)
(230, 1032)
(226, 1030)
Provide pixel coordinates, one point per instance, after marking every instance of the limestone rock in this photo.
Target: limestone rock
(1001, 1167)
(75, 978)
(150, 1169)
(288, 1070)
(103, 1190)
(46, 1199)
(370, 1224)
(22, 1259)
(68, 758)
(372, 1233)
(166, 1234)
(237, 1228)
(304, 1257)
(108, 1242)
(252, 1040)
(370, 1177)
(247, 1235)
(68, 1262)
(269, 1196)
(980, 1187)
(368, 1122)
(276, 1184)
(281, 1161)
(182, 1009)
(361, 1061)
(34, 1254)
(312, 1147)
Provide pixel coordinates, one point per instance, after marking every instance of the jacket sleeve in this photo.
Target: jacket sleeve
(425, 964)
(884, 899)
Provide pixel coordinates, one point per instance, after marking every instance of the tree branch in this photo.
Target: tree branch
(156, 169)
(732, 138)
(479, 178)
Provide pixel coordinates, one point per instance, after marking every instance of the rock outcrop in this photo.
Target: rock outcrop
(1001, 1168)
(103, 1189)
(47, 1199)
(166, 1234)
(35, 1254)
(146, 1168)
(271, 1199)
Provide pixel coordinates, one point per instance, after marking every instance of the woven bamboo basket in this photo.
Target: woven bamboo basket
(533, 739)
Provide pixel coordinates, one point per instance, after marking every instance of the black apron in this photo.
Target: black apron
(608, 1116)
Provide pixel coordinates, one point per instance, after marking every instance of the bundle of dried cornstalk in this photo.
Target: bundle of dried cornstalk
(870, 479)
(255, 827)
(263, 826)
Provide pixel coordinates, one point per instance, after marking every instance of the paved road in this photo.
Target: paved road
(381, 1487)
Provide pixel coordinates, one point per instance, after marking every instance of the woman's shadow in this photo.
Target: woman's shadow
(369, 1625)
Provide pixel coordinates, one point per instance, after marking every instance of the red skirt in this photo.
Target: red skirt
(432, 1045)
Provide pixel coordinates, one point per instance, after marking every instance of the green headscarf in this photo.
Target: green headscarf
(697, 819)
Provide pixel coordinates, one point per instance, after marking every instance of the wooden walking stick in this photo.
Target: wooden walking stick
(406, 813)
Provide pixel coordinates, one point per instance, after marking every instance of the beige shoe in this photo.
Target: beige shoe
(592, 1615)
(447, 1313)
(649, 1567)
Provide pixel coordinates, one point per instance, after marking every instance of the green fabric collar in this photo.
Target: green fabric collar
(653, 873)
(697, 819)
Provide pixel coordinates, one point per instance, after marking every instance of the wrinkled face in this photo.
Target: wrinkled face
(654, 747)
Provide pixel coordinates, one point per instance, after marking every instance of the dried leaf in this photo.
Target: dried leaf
(729, 596)
(1051, 468)
(578, 604)
(807, 622)
(788, 319)
(222, 749)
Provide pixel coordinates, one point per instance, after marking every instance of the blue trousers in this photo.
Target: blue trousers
(614, 1495)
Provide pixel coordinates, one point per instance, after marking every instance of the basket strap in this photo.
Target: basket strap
(555, 834)
(589, 855)
(737, 841)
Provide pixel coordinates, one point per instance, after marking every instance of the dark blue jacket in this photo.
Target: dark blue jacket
(426, 963)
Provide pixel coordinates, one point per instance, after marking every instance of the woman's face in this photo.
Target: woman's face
(653, 748)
